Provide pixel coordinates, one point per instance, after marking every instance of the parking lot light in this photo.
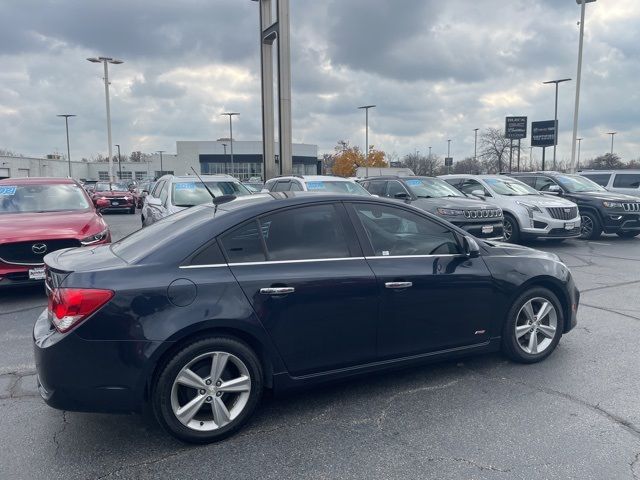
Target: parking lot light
(555, 140)
(366, 136)
(66, 117)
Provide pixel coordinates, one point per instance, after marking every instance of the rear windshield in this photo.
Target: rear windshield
(188, 194)
(114, 187)
(145, 241)
(338, 186)
(42, 198)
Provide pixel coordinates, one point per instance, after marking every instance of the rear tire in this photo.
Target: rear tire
(537, 312)
(591, 227)
(511, 229)
(187, 379)
(627, 234)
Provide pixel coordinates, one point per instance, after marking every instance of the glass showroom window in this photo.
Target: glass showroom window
(103, 176)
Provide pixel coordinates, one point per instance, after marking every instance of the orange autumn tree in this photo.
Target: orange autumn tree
(347, 159)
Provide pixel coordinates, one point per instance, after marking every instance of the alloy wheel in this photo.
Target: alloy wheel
(586, 229)
(536, 325)
(507, 229)
(210, 391)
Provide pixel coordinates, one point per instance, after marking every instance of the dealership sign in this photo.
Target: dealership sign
(543, 134)
(515, 128)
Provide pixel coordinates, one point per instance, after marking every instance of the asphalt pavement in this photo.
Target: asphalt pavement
(574, 416)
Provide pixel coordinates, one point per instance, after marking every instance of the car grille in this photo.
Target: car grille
(22, 253)
(563, 213)
(631, 207)
(485, 213)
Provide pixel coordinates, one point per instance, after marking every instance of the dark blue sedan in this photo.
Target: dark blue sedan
(196, 315)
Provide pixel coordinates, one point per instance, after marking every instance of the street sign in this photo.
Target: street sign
(543, 133)
(448, 161)
(515, 128)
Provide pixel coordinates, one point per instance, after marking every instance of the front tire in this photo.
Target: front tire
(208, 390)
(511, 229)
(590, 228)
(534, 326)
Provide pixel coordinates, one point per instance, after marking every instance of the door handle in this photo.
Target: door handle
(397, 285)
(277, 290)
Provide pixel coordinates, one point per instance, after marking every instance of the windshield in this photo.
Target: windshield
(114, 187)
(431, 188)
(337, 186)
(510, 187)
(188, 194)
(577, 184)
(42, 198)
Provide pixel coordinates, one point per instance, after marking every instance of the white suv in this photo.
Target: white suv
(315, 183)
(619, 181)
(527, 212)
(172, 194)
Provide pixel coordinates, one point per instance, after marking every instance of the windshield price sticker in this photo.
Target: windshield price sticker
(8, 190)
(414, 183)
(185, 186)
(315, 186)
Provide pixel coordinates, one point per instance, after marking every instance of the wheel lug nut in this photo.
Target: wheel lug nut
(209, 399)
(218, 383)
(208, 382)
(202, 392)
(219, 394)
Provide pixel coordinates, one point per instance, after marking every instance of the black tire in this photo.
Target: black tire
(162, 389)
(591, 227)
(510, 344)
(627, 234)
(132, 210)
(511, 225)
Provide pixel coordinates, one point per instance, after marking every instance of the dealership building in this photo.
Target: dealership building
(207, 157)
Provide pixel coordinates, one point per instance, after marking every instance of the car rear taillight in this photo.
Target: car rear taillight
(68, 307)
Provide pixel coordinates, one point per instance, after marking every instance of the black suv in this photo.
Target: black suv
(600, 210)
(436, 196)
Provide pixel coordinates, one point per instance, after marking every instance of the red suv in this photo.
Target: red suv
(114, 197)
(38, 216)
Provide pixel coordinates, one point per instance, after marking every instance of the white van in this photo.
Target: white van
(619, 181)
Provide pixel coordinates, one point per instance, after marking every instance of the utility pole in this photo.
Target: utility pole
(475, 145)
(231, 115)
(613, 134)
(119, 162)
(579, 145)
(366, 136)
(555, 140)
(66, 123)
(161, 166)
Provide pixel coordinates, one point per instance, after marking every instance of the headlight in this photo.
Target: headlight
(530, 208)
(98, 237)
(612, 205)
(450, 212)
(127, 198)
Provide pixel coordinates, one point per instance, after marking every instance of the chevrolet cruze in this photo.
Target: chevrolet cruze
(196, 315)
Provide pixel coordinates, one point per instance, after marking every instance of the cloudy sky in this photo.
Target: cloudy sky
(436, 70)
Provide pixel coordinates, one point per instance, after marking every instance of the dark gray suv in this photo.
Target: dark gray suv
(436, 196)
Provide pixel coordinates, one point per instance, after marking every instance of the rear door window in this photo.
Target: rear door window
(244, 244)
(377, 188)
(626, 180)
(395, 188)
(542, 183)
(601, 179)
(282, 186)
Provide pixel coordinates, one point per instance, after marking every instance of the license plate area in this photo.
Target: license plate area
(486, 229)
(36, 273)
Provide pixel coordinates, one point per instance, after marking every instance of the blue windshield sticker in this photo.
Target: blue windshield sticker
(414, 183)
(315, 186)
(185, 186)
(7, 190)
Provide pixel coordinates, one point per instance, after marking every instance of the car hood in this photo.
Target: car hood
(500, 248)
(17, 227)
(113, 194)
(452, 202)
(605, 196)
(544, 200)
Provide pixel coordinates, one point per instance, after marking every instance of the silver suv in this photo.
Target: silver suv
(527, 213)
(314, 183)
(173, 194)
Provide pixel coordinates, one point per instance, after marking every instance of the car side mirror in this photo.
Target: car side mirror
(154, 202)
(401, 196)
(478, 193)
(470, 247)
(554, 190)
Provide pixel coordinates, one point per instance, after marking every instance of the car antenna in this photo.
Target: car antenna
(204, 184)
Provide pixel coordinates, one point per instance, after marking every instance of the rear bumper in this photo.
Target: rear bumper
(89, 376)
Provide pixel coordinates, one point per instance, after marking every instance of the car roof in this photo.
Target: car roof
(37, 181)
(193, 178)
(315, 178)
(630, 170)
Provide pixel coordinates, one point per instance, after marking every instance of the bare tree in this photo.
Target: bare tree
(607, 161)
(426, 165)
(469, 165)
(328, 160)
(494, 151)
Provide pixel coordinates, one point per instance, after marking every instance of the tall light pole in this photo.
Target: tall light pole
(583, 4)
(366, 136)
(106, 61)
(475, 145)
(119, 163)
(161, 167)
(448, 154)
(224, 145)
(66, 124)
(555, 140)
(613, 134)
(231, 115)
(579, 145)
